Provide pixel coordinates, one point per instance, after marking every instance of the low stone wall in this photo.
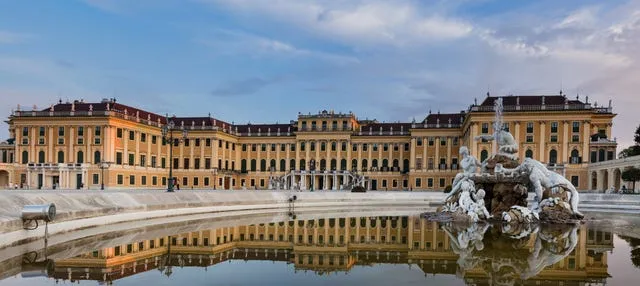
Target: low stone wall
(86, 209)
(82, 209)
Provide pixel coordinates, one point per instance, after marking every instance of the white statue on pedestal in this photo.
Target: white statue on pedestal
(469, 166)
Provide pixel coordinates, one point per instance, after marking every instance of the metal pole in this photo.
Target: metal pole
(102, 176)
(170, 183)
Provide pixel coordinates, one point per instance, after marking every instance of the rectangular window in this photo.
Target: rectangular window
(119, 158)
(143, 137)
(263, 147)
(60, 140)
(273, 147)
(505, 126)
(206, 181)
(554, 138)
(418, 183)
(143, 180)
(576, 126)
(575, 180)
(292, 147)
(431, 142)
(354, 147)
(60, 131)
(120, 179)
(186, 142)
(195, 181)
(154, 180)
(244, 147)
(529, 127)
(186, 163)
(153, 161)
(96, 140)
(254, 147)
(143, 160)
(176, 163)
(443, 142)
(163, 162)
(283, 147)
(119, 132)
(407, 147)
(554, 127)
(80, 131)
(529, 139)
(442, 182)
(575, 138)
(185, 181)
(207, 142)
(132, 159)
(485, 128)
(132, 180)
(25, 131)
(430, 182)
(375, 147)
(80, 140)
(197, 142)
(154, 139)
(132, 135)
(196, 163)
(41, 141)
(96, 179)
(207, 163)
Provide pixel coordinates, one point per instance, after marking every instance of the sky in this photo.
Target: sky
(263, 61)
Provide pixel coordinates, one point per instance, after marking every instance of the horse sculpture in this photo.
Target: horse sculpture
(540, 178)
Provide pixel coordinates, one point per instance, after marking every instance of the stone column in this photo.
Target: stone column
(543, 143)
(335, 181)
(586, 137)
(412, 155)
(565, 142)
(437, 157)
(600, 180)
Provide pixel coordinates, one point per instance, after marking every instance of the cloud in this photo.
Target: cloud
(242, 87)
(226, 42)
(7, 37)
(357, 23)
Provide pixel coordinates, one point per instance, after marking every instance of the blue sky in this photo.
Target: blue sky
(267, 60)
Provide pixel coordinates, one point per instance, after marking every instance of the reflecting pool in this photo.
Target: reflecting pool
(372, 250)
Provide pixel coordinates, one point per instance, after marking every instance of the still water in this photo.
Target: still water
(381, 250)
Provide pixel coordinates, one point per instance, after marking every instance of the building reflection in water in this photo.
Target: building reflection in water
(480, 255)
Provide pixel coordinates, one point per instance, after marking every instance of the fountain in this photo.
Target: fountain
(500, 190)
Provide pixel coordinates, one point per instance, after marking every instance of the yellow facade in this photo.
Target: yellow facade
(67, 144)
(330, 245)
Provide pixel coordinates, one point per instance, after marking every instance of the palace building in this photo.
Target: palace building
(80, 145)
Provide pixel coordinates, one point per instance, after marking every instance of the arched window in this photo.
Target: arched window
(396, 163)
(374, 163)
(292, 164)
(575, 157)
(272, 164)
(405, 165)
(333, 164)
(253, 165)
(364, 164)
(323, 164)
(25, 157)
(354, 164)
(243, 165)
(343, 164)
(96, 157)
(80, 157)
(528, 153)
(263, 165)
(385, 163)
(60, 156)
(553, 156)
(484, 155)
(283, 164)
(41, 157)
(303, 164)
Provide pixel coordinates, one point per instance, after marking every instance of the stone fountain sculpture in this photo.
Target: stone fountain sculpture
(500, 189)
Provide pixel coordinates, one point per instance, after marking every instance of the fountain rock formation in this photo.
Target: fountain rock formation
(500, 190)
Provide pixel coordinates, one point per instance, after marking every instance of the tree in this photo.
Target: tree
(636, 138)
(631, 151)
(631, 174)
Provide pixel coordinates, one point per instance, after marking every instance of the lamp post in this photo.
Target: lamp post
(214, 170)
(103, 165)
(167, 135)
